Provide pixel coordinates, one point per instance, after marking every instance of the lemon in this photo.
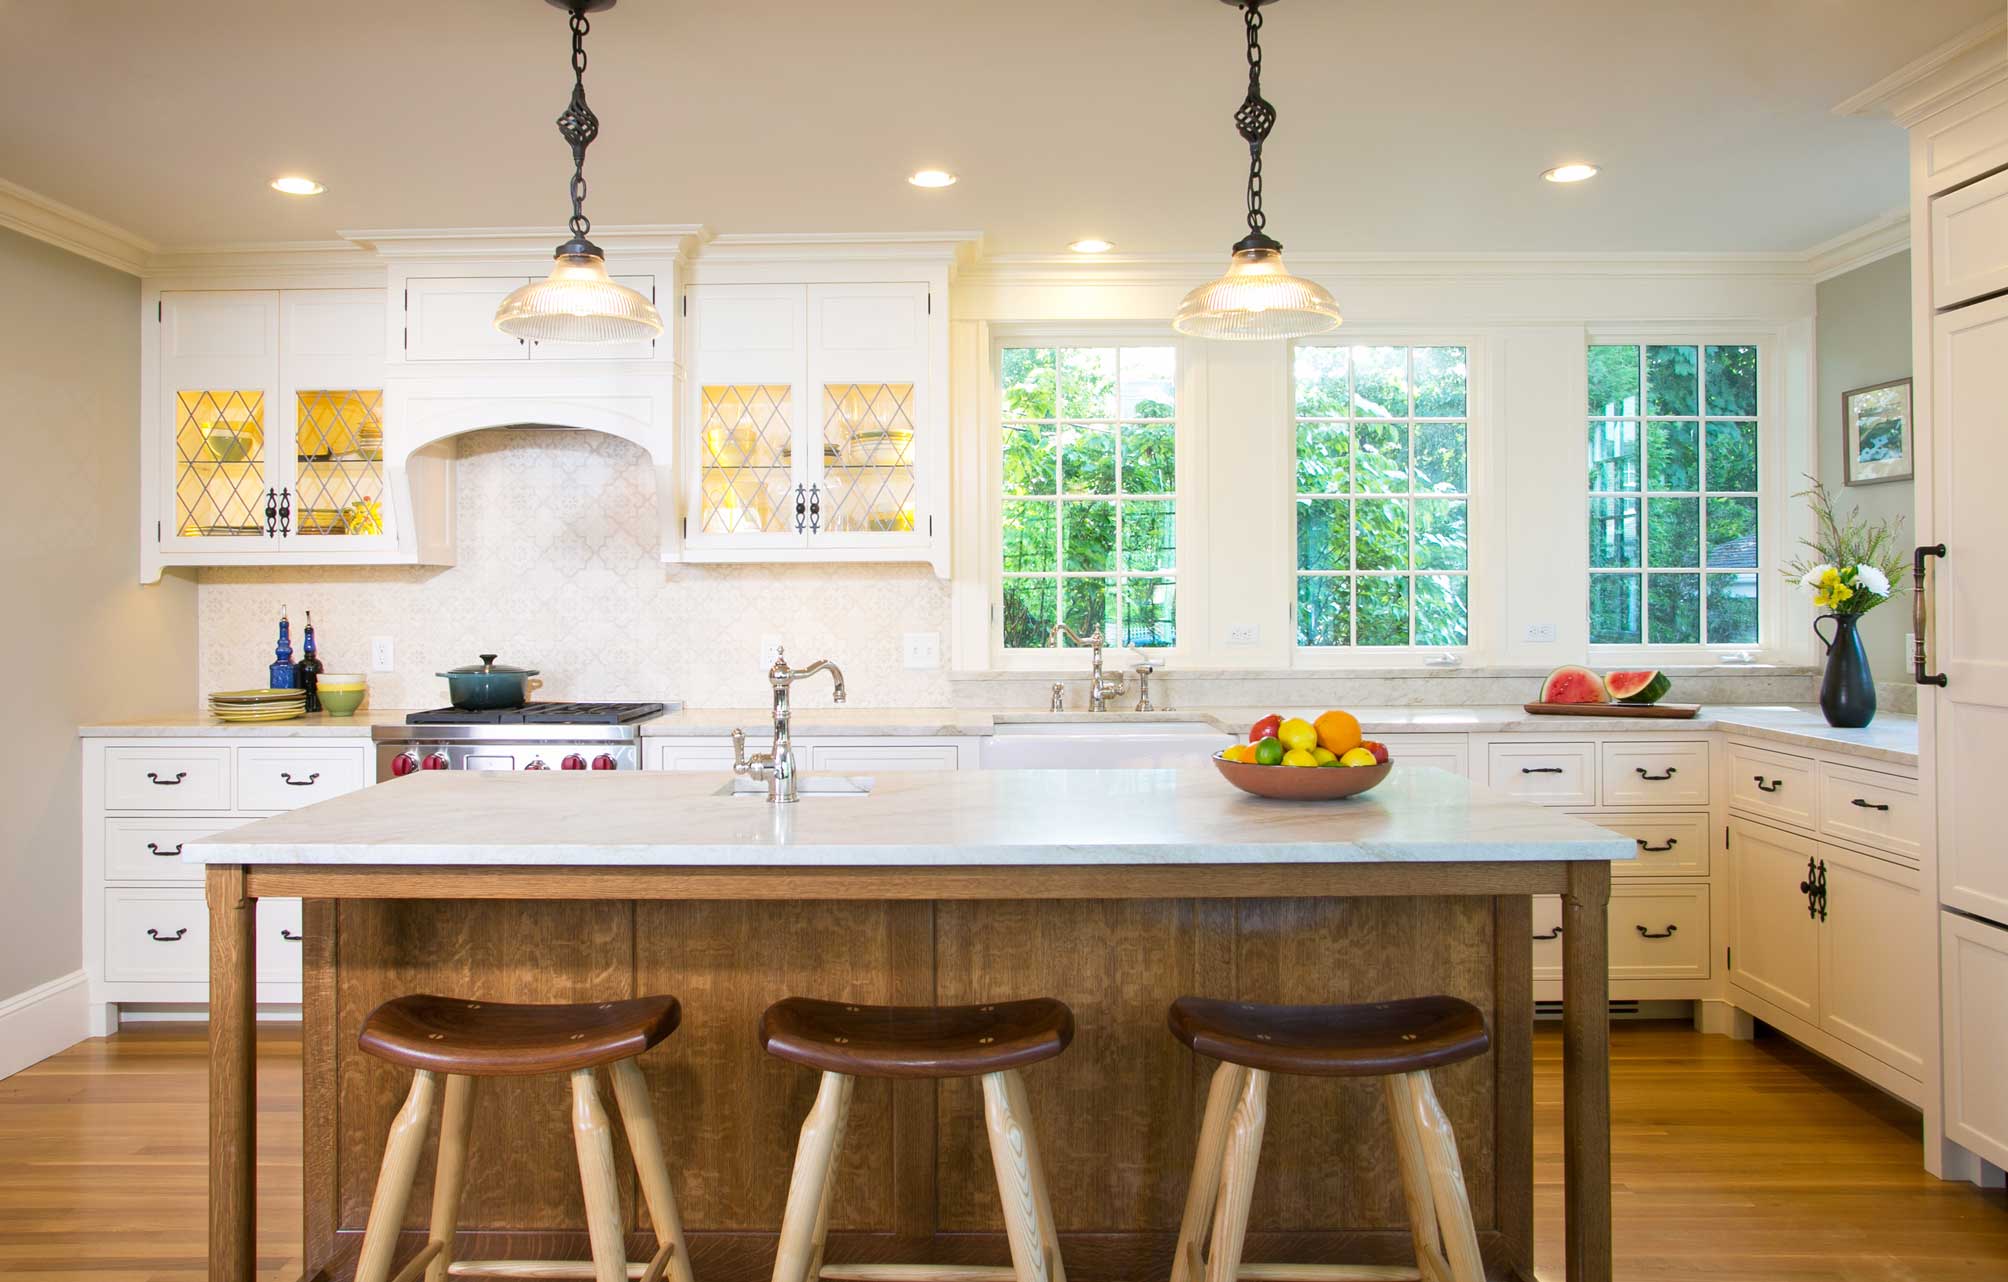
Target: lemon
(1298, 734)
(1325, 756)
(1358, 757)
(1299, 757)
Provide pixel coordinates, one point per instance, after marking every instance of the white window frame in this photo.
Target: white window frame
(1773, 492)
(991, 533)
(1478, 647)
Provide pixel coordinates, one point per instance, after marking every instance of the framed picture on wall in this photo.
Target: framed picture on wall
(1875, 434)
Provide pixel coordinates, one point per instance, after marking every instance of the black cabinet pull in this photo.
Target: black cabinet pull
(1773, 786)
(1658, 934)
(815, 509)
(289, 936)
(1671, 842)
(1555, 933)
(1870, 805)
(286, 511)
(1920, 616)
(159, 938)
(1820, 890)
(271, 514)
(308, 782)
(801, 508)
(1540, 770)
(1655, 778)
(164, 854)
(179, 775)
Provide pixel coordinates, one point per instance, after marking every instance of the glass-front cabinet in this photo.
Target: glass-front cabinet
(272, 410)
(812, 436)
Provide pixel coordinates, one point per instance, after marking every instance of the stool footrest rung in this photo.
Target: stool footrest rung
(917, 1273)
(415, 1266)
(536, 1270)
(1328, 1273)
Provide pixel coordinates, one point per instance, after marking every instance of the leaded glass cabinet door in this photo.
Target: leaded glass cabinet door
(329, 433)
(219, 410)
(868, 374)
(752, 424)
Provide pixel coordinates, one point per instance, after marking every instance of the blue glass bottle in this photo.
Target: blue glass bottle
(283, 673)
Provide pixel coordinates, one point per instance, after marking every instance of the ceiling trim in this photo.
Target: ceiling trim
(1963, 64)
(1167, 269)
(54, 223)
(671, 239)
(1876, 239)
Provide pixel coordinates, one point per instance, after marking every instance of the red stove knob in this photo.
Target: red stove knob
(537, 765)
(403, 764)
(572, 761)
(605, 761)
(437, 761)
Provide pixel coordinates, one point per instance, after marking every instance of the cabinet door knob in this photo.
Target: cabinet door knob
(159, 938)
(1658, 934)
(1655, 778)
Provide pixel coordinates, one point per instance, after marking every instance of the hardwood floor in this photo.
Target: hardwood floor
(1733, 1161)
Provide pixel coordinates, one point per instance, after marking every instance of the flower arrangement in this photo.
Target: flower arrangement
(1856, 565)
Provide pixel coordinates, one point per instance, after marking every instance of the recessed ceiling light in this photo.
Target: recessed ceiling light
(931, 178)
(297, 186)
(1092, 245)
(1573, 172)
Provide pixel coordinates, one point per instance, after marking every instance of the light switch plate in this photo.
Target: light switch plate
(922, 650)
(381, 656)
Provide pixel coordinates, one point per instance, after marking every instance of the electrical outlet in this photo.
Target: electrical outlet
(1539, 632)
(770, 647)
(380, 655)
(923, 650)
(1244, 634)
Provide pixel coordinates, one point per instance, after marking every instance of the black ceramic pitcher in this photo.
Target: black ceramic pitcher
(1847, 691)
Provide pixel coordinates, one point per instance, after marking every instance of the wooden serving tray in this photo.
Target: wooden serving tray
(1663, 711)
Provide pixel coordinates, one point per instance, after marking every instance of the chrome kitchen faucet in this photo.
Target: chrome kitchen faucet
(777, 765)
(1101, 687)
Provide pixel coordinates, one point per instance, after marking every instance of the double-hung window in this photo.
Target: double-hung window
(1089, 467)
(1383, 495)
(1673, 494)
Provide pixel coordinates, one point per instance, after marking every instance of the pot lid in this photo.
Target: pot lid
(489, 666)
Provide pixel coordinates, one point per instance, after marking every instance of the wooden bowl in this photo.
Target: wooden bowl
(1301, 783)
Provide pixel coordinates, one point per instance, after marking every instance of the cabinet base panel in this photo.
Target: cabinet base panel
(1828, 1047)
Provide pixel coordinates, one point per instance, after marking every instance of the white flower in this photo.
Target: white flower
(1814, 579)
(1874, 580)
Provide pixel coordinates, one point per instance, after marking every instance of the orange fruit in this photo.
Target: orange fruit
(1338, 732)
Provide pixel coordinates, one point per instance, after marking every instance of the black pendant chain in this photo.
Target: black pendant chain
(578, 125)
(1254, 119)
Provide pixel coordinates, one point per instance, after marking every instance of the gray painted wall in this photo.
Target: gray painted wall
(1864, 338)
(83, 640)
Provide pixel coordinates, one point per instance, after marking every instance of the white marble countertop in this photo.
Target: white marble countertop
(955, 818)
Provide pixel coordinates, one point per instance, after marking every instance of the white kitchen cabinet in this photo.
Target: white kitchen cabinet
(1969, 241)
(452, 318)
(1654, 772)
(1670, 843)
(1778, 787)
(1872, 808)
(1657, 932)
(1448, 752)
(1774, 940)
(1974, 969)
(1545, 773)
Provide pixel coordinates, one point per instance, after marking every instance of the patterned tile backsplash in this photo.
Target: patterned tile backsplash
(559, 570)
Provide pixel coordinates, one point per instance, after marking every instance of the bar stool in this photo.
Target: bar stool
(849, 1041)
(465, 1040)
(1398, 1042)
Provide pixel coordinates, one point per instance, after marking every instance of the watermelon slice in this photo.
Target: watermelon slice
(1647, 686)
(1573, 685)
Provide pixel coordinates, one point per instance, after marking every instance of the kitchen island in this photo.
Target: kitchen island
(1115, 891)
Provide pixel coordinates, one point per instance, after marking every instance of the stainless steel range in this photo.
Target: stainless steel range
(536, 736)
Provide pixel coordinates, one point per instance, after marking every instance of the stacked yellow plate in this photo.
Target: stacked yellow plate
(257, 705)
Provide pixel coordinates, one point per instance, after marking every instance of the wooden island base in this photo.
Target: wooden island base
(1118, 1114)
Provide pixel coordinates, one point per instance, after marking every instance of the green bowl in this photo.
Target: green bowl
(341, 703)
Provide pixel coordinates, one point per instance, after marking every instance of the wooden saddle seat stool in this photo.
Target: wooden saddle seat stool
(847, 1041)
(1398, 1042)
(463, 1040)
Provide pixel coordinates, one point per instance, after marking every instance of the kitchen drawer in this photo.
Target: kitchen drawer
(1548, 774)
(288, 778)
(1776, 786)
(150, 849)
(1969, 242)
(1451, 752)
(279, 941)
(153, 935)
(1652, 953)
(193, 778)
(1655, 773)
(1669, 845)
(698, 754)
(1873, 809)
(882, 756)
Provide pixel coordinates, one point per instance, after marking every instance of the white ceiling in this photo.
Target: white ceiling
(1405, 125)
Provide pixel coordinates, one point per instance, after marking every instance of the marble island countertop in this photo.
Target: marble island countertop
(963, 818)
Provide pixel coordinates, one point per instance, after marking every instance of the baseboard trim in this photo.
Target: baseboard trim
(46, 1019)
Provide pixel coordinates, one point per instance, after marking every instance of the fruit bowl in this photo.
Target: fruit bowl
(1301, 783)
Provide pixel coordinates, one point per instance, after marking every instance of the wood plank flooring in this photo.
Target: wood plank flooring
(1733, 1161)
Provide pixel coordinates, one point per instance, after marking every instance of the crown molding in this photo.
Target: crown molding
(1858, 247)
(674, 240)
(1191, 269)
(1968, 62)
(956, 248)
(54, 223)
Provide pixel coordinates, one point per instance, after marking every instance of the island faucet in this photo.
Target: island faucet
(1101, 687)
(777, 765)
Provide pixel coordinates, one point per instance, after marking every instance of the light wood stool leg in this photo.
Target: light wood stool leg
(1237, 1177)
(593, 1138)
(449, 1179)
(1021, 1180)
(645, 1140)
(394, 1179)
(806, 1222)
(1413, 1164)
(1446, 1180)
(1188, 1260)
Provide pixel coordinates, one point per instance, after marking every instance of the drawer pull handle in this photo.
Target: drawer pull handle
(164, 854)
(1669, 844)
(1540, 770)
(179, 775)
(1658, 934)
(1871, 805)
(159, 938)
(1655, 778)
(1555, 933)
(291, 937)
(1773, 786)
(308, 782)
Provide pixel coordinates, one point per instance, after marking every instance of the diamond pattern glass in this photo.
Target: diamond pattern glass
(747, 473)
(868, 481)
(338, 475)
(219, 469)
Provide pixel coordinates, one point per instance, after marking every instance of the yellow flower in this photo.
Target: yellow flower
(1830, 591)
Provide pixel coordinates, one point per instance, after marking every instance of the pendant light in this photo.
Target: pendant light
(1258, 297)
(578, 302)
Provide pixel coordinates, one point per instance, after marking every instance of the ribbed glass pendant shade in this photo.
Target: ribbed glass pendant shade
(1258, 298)
(578, 303)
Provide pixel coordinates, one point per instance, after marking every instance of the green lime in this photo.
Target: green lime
(1269, 752)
